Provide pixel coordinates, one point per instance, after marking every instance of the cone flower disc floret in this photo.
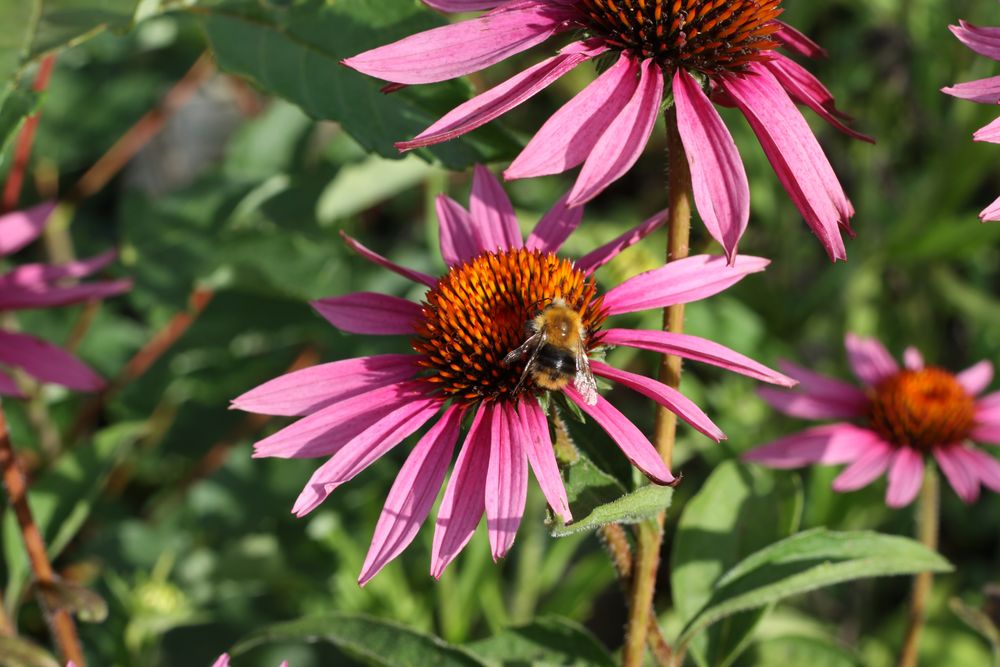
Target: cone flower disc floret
(721, 51)
(899, 418)
(33, 286)
(354, 411)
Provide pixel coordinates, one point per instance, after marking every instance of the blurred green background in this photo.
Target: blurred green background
(241, 193)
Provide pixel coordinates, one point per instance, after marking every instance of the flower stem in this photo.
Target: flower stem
(650, 533)
(927, 533)
(63, 628)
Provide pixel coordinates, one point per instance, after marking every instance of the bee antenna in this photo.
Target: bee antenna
(542, 300)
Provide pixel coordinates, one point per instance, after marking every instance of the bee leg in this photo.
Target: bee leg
(527, 366)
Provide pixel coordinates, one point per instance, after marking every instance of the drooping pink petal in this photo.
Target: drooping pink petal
(462, 48)
(718, 180)
(506, 480)
(537, 443)
(828, 444)
(595, 259)
(976, 378)
(324, 432)
(983, 40)
(555, 227)
(869, 359)
(696, 349)
(626, 435)
(19, 228)
(363, 450)
(796, 156)
(459, 240)
(804, 88)
(989, 134)
(670, 398)
(8, 387)
(38, 295)
(906, 474)
(455, 6)
(464, 500)
(841, 400)
(308, 390)
(496, 101)
(992, 212)
(46, 362)
(912, 359)
(797, 42)
(413, 493)
(570, 134)
(375, 258)
(683, 281)
(492, 212)
(984, 91)
(623, 140)
(987, 467)
(35, 274)
(369, 313)
(866, 468)
(960, 472)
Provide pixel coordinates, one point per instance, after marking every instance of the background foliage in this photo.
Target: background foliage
(239, 200)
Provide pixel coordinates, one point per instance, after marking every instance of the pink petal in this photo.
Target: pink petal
(666, 396)
(305, 391)
(976, 378)
(369, 313)
(506, 480)
(570, 134)
(987, 467)
(626, 435)
(492, 212)
(537, 443)
(8, 387)
(47, 363)
(869, 359)
(35, 274)
(912, 359)
(683, 281)
(984, 91)
(842, 400)
(906, 474)
(796, 156)
(325, 432)
(464, 500)
(983, 40)
(19, 228)
(555, 227)
(698, 349)
(623, 140)
(989, 134)
(992, 212)
(413, 493)
(496, 101)
(462, 48)
(456, 6)
(961, 473)
(459, 241)
(363, 450)
(797, 42)
(718, 180)
(806, 89)
(595, 259)
(807, 406)
(828, 444)
(866, 468)
(21, 297)
(375, 258)
(987, 428)
(222, 661)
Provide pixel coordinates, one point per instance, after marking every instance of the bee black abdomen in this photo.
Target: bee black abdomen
(556, 361)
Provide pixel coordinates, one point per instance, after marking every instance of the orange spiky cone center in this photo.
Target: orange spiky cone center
(922, 409)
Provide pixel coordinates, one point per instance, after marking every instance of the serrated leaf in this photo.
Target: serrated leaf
(806, 562)
(19, 652)
(375, 642)
(545, 641)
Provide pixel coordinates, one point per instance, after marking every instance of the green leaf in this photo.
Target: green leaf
(296, 52)
(545, 641)
(358, 187)
(738, 510)
(807, 561)
(15, 106)
(644, 503)
(371, 640)
(981, 622)
(19, 652)
(794, 651)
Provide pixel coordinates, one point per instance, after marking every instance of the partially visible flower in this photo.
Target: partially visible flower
(356, 410)
(702, 50)
(985, 42)
(45, 286)
(896, 420)
(223, 661)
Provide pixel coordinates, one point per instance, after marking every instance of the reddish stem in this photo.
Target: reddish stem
(25, 140)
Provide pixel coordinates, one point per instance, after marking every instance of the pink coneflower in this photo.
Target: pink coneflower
(899, 417)
(356, 410)
(45, 286)
(719, 49)
(986, 42)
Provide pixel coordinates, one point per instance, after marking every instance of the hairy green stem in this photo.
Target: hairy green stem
(927, 533)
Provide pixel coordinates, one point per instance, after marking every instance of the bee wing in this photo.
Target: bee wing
(530, 345)
(584, 380)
